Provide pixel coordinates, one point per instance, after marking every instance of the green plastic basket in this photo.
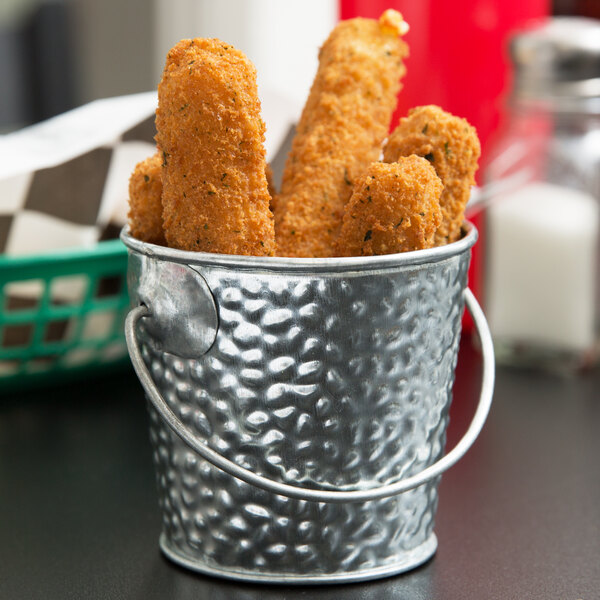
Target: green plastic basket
(62, 315)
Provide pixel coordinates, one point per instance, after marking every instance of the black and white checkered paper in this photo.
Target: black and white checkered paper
(64, 182)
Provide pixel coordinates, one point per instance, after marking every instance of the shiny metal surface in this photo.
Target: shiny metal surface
(184, 323)
(290, 491)
(558, 59)
(409, 559)
(331, 374)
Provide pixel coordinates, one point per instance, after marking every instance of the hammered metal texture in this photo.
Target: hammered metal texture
(318, 380)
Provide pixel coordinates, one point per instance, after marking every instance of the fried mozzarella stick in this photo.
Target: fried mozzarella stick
(145, 205)
(341, 129)
(394, 208)
(452, 146)
(209, 129)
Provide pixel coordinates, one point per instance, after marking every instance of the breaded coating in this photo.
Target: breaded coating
(340, 132)
(145, 206)
(210, 131)
(452, 146)
(394, 208)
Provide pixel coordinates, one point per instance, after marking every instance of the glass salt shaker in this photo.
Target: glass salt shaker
(542, 269)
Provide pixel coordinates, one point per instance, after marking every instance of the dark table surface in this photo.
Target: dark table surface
(518, 517)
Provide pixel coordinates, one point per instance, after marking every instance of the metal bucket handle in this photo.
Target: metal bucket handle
(314, 495)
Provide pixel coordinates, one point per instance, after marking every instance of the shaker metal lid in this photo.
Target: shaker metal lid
(558, 57)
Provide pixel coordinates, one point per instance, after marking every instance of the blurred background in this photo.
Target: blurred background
(56, 55)
(59, 54)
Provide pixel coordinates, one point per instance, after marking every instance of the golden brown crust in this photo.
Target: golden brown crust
(145, 206)
(394, 208)
(340, 132)
(209, 128)
(452, 146)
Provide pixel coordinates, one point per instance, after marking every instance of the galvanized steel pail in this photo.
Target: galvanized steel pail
(298, 407)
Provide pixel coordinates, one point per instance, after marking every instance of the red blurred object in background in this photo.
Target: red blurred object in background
(458, 54)
(458, 61)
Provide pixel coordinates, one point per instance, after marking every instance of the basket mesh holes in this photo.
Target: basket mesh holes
(14, 336)
(8, 367)
(79, 356)
(114, 351)
(109, 286)
(56, 331)
(23, 295)
(68, 290)
(98, 325)
(40, 364)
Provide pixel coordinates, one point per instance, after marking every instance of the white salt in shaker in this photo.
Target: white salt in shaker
(543, 238)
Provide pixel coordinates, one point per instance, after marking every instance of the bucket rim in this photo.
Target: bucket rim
(287, 264)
